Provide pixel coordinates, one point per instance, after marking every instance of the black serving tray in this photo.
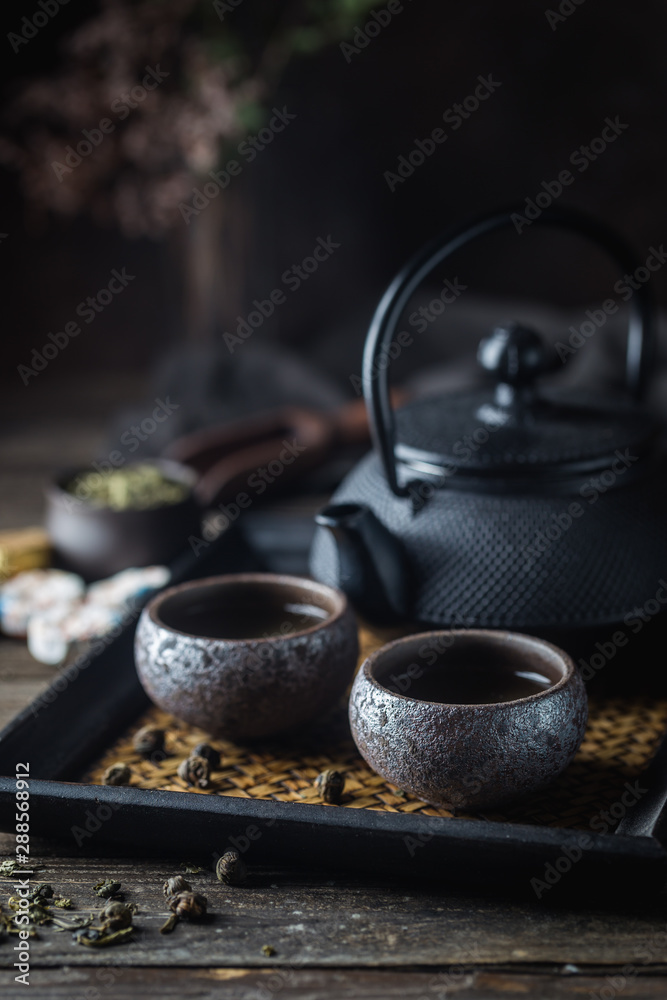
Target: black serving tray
(66, 729)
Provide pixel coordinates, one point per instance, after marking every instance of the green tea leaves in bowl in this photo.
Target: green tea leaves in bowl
(141, 486)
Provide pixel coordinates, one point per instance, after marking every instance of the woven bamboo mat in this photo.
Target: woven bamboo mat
(621, 738)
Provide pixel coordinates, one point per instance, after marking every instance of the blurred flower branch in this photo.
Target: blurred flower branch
(221, 63)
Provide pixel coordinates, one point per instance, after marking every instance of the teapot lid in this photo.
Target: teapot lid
(511, 429)
(509, 436)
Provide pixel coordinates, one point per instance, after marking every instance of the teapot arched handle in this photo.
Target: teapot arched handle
(641, 334)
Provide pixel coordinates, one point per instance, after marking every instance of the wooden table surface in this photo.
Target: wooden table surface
(334, 936)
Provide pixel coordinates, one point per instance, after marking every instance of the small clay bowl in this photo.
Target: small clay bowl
(196, 661)
(96, 541)
(467, 755)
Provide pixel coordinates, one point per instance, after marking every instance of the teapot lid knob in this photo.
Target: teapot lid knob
(514, 354)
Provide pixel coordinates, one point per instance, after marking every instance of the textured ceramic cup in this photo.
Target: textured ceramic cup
(468, 755)
(294, 667)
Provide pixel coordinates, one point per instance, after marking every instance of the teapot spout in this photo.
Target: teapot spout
(374, 570)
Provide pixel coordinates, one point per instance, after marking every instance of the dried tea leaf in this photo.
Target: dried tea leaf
(117, 774)
(188, 905)
(230, 869)
(99, 938)
(116, 915)
(37, 913)
(149, 740)
(209, 753)
(175, 885)
(7, 924)
(71, 923)
(10, 866)
(169, 924)
(106, 888)
(43, 889)
(140, 486)
(331, 785)
(195, 771)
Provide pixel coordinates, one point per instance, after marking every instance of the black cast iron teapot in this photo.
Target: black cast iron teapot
(508, 507)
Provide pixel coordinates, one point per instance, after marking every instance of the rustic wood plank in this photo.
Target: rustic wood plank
(313, 984)
(313, 920)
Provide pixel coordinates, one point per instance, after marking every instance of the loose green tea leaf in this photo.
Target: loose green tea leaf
(43, 890)
(149, 740)
(71, 923)
(188, 905)
(142, 486)
(175, 885)
(10, 866)
(230, 869)
(38, 914)
(117, 774)
(331, 785)
(195, 771)
(8, 925)
(106, 888)
(98, 938)
(115, 916)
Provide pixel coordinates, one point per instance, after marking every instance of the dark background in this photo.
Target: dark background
(324, 175)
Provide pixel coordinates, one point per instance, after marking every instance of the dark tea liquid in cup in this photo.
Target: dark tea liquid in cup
(250, 614)
(468, 679)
